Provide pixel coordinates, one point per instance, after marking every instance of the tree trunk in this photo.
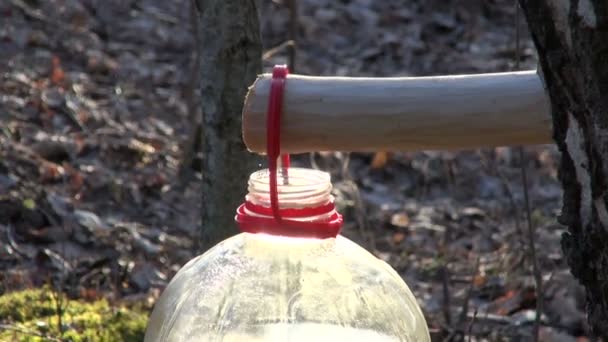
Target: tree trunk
(572, 42)
(231, 57)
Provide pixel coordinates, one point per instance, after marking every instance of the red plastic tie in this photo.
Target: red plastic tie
(273, 134)
(253, 218)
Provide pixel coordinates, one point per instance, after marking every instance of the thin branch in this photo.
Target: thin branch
(470, 327)
(71, 114)
(58, 299)
(517, 37)
(445, 278)
(273, 51)
(360, 216)
(490, 166)
(293, 32)
(36, 14)
(538, 278)
(195, 135)
(12, 242)
(445, 282)
(27, 332)
(465, 305)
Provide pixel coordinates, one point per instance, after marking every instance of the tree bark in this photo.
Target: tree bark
(572, 42)
(231, 57)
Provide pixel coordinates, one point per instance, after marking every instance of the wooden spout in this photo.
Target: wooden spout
(402, 114)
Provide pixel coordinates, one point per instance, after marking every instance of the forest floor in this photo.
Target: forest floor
(96, 107)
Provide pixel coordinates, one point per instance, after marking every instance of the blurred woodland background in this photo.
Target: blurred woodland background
(97, 103)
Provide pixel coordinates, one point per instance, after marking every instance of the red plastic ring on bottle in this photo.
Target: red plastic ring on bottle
(254, 218)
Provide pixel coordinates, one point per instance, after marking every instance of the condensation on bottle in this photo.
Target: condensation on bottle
(262, 287)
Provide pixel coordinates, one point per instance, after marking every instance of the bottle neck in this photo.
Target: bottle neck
(301, 189)
(306, 206)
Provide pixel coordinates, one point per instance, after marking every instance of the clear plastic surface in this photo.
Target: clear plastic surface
(257, 287)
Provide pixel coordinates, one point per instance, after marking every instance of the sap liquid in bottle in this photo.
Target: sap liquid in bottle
(276, 282)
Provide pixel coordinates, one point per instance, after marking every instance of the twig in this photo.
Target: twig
(58, 298)
(69, 112)
(445, 279)
(352, 189)
(491, 166)
(360, 216)
(293, 31)
(13, 243)
(465, 305)
(538, 278)
(193, 83)
(467, 298)
(190, 146)
(273, 51)
(488, 317)
(27, 332)
(39, 15)
(157, 14)
(6, 132)
(470, 327)
(61, 301)
(517, 37)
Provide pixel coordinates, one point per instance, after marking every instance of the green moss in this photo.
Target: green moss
(32, 314)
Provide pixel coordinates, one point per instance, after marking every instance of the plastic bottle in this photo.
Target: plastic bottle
(268, 287)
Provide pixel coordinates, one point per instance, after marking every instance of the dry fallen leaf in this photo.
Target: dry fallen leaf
(380, 160)
(400, 220)
(398, 237)
(76, 177)
(57, 73)
(479, 280)
(140, 146)
(50, 172)
(90, 294)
